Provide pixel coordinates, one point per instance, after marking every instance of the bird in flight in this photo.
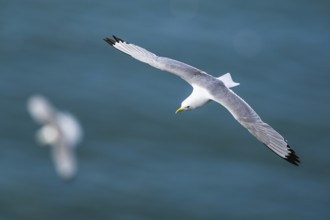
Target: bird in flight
(60, 130)
(209, 88)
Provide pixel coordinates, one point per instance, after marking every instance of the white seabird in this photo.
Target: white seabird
(207, 88)
(60, 130)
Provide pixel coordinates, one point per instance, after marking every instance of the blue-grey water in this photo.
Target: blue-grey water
(138, 159)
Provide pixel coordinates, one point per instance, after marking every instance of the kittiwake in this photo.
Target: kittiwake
(60, 130)
(207, 88)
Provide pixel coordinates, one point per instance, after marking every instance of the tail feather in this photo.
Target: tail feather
(228, 81)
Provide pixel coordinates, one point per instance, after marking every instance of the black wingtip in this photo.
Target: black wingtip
(117, 39)
(292, 157)
(109, 41)
(114, 40)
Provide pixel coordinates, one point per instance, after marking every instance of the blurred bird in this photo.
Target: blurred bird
(60, 130)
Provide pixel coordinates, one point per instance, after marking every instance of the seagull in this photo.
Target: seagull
(209, 88)
(60, 130)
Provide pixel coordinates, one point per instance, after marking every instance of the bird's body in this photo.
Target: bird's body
(209, 88)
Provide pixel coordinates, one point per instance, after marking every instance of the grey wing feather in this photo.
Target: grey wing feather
(249, 119)
(185, 71)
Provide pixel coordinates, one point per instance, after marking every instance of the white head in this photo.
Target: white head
(47, 135)
(197, 98)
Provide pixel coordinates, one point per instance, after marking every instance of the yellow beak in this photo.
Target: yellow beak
(179, 110)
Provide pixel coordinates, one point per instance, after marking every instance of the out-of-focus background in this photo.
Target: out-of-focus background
(138, 159)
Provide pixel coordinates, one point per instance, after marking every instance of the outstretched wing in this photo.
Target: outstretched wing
(40, 109)
(185, 71)
(64, 159)
(249, 119)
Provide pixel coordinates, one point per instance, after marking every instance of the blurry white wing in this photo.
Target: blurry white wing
(70, 128)
(64, 160)
(40, 109)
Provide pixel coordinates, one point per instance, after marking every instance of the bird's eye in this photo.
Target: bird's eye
(188, 107)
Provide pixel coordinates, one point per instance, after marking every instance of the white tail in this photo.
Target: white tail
(228, 81)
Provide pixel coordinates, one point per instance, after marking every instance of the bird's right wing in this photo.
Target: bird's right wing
(185, 71)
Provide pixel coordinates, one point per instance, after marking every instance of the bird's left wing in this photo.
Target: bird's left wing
(249, 119)
(185, 71)
(64, 159)
(40, 109)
